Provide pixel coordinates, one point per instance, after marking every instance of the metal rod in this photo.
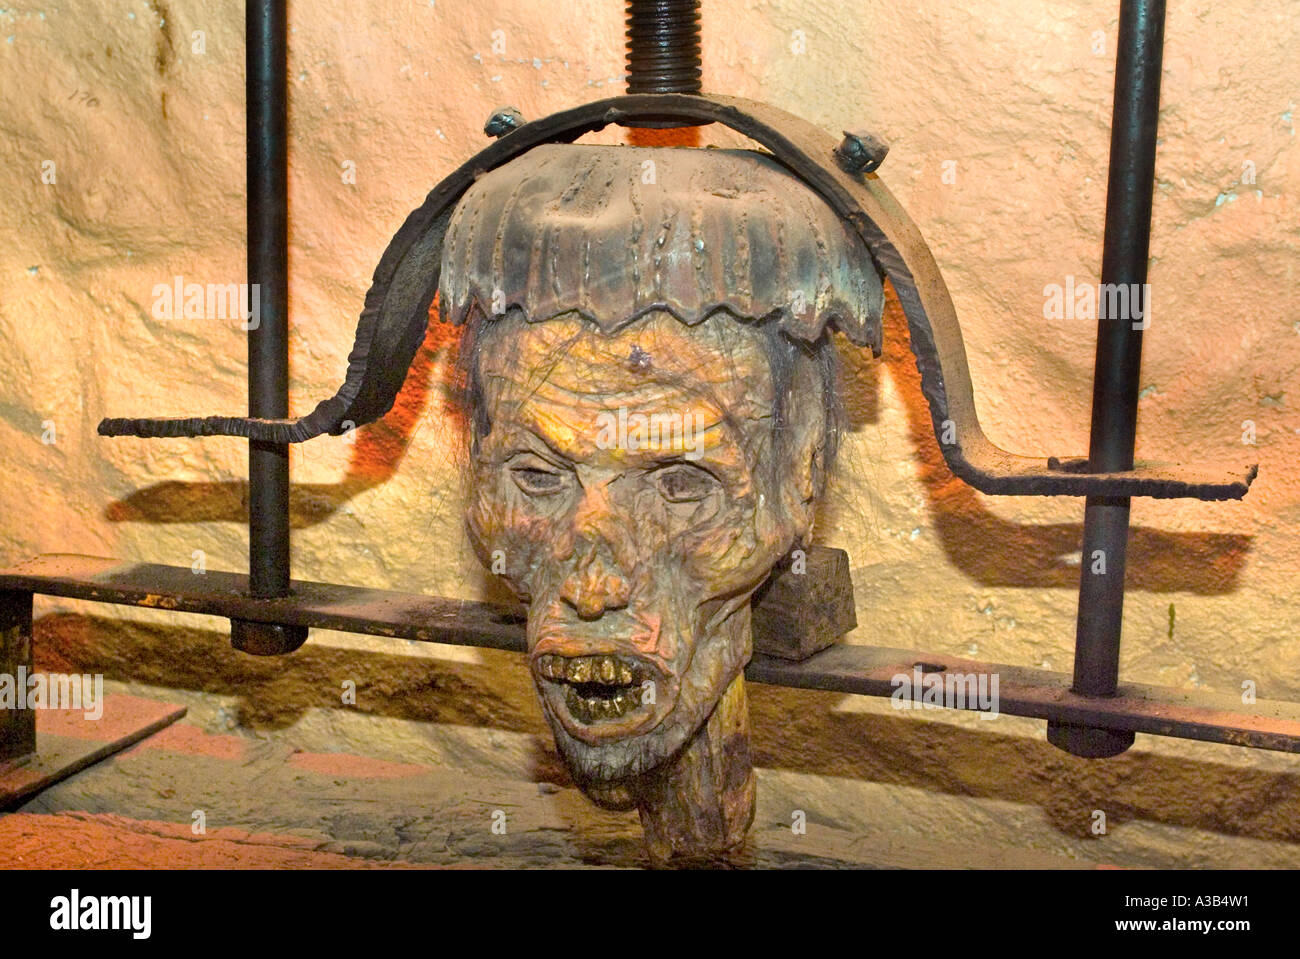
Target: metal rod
(1123, 305)
(17, 725)
(663, 46)
(268, 268)
(860, 670)
(266, 84)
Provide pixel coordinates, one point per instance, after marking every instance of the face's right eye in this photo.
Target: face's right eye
(683, 483)
(536, 481)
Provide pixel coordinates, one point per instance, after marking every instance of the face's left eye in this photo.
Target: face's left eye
(683, 483)
(537, 482)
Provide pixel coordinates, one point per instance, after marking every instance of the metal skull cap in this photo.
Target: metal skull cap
(614, 232)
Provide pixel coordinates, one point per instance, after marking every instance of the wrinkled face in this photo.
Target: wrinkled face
(632, 490)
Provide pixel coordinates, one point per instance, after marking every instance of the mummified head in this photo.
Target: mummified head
(638, 487)
(652, 396)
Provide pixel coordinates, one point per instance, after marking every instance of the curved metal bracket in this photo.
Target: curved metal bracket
(396, 312)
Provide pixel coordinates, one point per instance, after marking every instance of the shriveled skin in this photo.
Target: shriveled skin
(637, 555)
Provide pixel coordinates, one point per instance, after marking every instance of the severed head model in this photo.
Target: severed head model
(652, 399)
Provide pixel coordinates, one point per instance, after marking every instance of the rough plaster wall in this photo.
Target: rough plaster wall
(146, 137)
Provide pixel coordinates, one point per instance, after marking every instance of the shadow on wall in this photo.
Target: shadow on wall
(988, 549)
(996, 552)
(377, 451)
(795, 730)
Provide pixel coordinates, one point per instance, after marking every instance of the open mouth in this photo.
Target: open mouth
(601, 688)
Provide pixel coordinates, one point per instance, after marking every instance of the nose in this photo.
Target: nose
(596, 583)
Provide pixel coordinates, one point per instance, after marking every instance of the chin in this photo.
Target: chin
(602, 768)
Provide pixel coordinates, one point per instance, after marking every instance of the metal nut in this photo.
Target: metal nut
(860, 152)
(502, 121)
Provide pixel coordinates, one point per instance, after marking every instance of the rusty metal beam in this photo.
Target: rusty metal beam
(862, 670)
(1040, 694)
(317, 605)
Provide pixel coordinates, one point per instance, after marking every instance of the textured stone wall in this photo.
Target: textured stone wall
(123, 167)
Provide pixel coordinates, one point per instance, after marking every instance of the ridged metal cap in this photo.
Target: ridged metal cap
(614, 232)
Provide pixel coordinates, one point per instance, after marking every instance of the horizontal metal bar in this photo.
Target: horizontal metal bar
(353, 609)
(862, 670)
(1040, 694)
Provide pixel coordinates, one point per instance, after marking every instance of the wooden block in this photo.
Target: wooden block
(806, 605)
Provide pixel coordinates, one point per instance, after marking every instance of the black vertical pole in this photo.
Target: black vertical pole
(266, 64)
(17, 726)
(268, 267)
(1119, 357)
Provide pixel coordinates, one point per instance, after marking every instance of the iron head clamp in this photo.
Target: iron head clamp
(396, 312)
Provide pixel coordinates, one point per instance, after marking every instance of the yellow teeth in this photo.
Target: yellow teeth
(596, 688)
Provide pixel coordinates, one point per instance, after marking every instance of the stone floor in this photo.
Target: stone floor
(441, 744)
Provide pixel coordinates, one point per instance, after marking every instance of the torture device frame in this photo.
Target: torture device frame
(1089, 713)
